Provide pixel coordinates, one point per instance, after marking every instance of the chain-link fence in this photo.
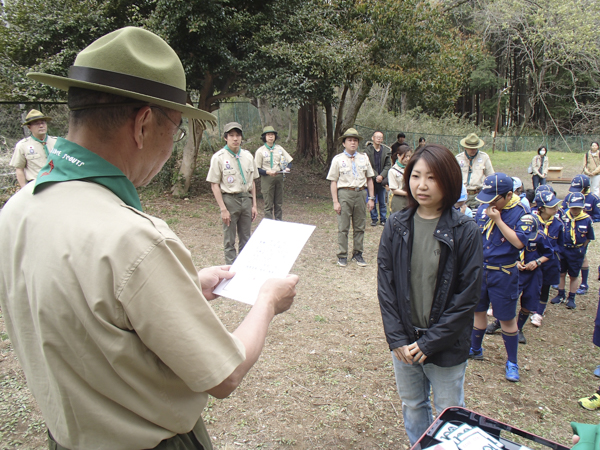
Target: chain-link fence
(554, 143)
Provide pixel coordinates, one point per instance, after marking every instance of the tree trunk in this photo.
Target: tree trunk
(308, 133)
(355, 105)
(288, 114)
(331, 148)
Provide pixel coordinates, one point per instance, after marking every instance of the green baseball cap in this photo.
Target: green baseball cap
(134, 63)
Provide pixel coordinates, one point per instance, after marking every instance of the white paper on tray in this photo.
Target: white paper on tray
(270, 253)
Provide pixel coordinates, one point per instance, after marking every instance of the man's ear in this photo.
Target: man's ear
(142, 122)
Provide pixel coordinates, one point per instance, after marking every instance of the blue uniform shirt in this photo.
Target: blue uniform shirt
(538, 247)
(591, 207)
(496, 248)
(583, 231)
(554, 229)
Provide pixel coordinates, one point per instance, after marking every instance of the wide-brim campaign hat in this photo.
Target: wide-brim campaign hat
(134, 63)
(268, 129)
(350, 132)
(232, 126)
(472, 141)
(579, 183)
(494, 186)
(34, 115)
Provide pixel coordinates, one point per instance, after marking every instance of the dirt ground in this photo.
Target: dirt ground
(325, 378)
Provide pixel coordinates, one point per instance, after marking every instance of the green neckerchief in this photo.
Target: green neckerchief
(68, 161)
(238, 157)
(42, 142)
(470, 158)
(399, 164)
(271, 152)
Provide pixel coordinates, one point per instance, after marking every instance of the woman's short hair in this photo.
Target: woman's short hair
(263, 137)
(400, 151)
(445, 169)
(594, 142)
(542, 147)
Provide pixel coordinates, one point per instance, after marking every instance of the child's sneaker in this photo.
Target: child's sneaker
(558, 299)
(476, 354)
(555, 286)
(490, 312)
(492, 327)
(512, 372)
(582, 289)
(571, 303)
(522, 339)
(590, 403)
(536, 320)
(597, 371)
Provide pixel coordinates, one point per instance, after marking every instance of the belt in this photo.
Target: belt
(474, 191)
(419, 332)
(353, 189)
(574, 246)
(238, 194)
(501, 268)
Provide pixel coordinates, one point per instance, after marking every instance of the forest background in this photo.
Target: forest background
(312, 67)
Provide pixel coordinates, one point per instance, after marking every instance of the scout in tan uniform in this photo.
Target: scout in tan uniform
(271, 160)
(350, 174)
(232, 173)
(31, 153)
(104, 307)
(475, 166)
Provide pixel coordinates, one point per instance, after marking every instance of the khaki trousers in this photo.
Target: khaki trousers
(240, 211)
(272, 192)
(354, 210)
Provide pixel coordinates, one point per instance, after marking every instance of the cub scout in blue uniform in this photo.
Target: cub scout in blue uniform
(506, 226)
(578, 233)
(581, 183)
(553, 227)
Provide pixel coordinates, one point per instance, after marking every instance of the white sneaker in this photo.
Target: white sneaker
(490, 312)
(536, 320)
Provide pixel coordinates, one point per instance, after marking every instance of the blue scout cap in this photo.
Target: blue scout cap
(579, 183)
(574, 200)
(544, 188)
(495, 185)
(546, 198)
(463, 194)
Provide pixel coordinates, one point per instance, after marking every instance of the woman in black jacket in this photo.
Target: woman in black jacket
(429, 281)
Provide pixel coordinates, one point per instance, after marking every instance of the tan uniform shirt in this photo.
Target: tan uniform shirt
(341, 170)
(224, 170)
(482, 167)
(262, 157)
(591, 164)
(30, 156)
(396, 178)
(104, 308)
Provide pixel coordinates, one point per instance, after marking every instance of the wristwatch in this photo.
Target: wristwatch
(370, 198)
(538, 262)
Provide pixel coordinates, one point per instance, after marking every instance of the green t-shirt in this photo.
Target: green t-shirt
(423, 269)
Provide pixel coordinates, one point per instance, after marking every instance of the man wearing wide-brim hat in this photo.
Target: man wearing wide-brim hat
(31, 153)
(105, 309)
(273, 162)
(351, 175)
(231, 174)
(475, 166)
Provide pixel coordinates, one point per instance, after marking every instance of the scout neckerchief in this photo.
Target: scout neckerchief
(489, 225)
(572, 220)
(470, 158)
(69, 161)
(271, 152)
(238, 157)
(354, 172)
(546, 223)
(399, 164)
(42, 142)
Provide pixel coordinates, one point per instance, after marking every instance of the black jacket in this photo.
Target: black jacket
(458, 288)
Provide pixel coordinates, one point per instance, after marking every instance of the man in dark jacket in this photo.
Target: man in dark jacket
(379, 157)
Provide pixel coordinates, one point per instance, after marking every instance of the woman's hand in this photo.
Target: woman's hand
(415, 352)
(403, 354)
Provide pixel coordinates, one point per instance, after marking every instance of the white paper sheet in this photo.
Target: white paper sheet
(270, 253)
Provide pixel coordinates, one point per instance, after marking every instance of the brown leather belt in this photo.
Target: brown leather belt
(353, 189)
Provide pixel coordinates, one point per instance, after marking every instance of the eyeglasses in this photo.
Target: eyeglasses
(180, 133)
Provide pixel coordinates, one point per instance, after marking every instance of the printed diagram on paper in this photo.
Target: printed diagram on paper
(270, 253)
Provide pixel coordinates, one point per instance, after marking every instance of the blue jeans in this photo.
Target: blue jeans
(537, 180)
(414, 383)
(379, 198)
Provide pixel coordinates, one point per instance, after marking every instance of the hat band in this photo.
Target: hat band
(128, 83)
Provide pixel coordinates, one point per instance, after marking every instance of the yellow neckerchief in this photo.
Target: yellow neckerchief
(489, 225)
(546, 223)
(572, 219)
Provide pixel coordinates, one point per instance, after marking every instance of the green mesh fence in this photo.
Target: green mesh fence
(554, 143)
